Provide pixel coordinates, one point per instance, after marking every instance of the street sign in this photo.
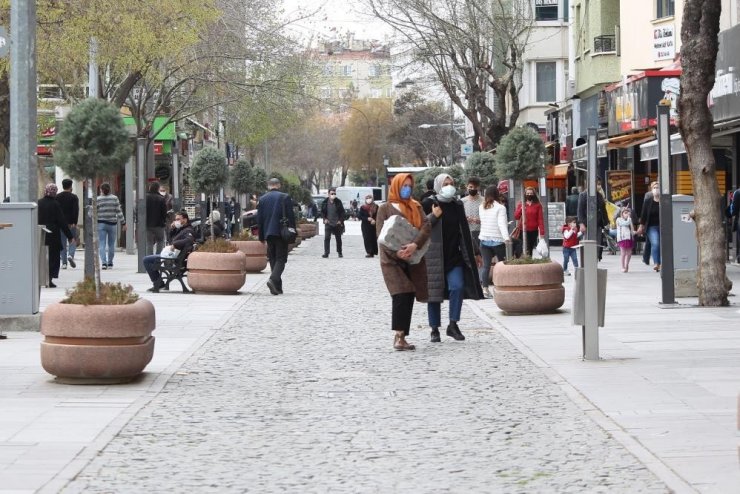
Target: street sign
(4, 42)
(466, 149)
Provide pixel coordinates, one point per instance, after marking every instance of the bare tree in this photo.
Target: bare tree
(699, 38)
(472, 46)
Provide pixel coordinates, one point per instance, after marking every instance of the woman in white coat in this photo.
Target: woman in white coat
(494, 234)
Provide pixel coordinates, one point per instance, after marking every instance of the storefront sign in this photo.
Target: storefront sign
(619, 186)
(664, 43)
(632, 103)
(158, 147)
(580, 153)
(44, 150)
(724, 99)
(545, 3)
(555, 219)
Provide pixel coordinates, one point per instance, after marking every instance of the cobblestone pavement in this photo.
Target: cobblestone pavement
(304, 393)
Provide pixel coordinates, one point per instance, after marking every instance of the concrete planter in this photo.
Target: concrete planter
(97, 344)
(307, 230)
(256, 253)
(528, 288)
(216, 272)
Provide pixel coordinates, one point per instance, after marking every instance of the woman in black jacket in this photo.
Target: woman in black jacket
(368, 214)
(50, 215)
(452, 259)
(650, 223)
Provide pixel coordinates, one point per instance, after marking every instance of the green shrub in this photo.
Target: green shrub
(220, 245)
(110, 294)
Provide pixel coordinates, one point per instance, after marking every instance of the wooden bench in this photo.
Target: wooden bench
(175, 268)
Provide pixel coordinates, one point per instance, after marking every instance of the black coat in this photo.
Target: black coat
(434, 257)
(51, 215)
(156, 210)
(337, 205)
(70, 206)
(602, 219)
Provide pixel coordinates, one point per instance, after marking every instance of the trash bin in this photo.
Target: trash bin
(685, 247)
(579, 314)
(20, 246)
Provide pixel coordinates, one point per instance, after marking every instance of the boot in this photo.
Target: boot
(435, 335)
(454, 332)
(400, 343)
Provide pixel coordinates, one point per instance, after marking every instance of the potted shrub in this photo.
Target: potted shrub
(525, 285)
(102, 331)
(217, 267)
(254, 250)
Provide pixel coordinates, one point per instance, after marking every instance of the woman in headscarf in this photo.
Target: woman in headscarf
(404, 281)
(452, 259)
(368, 214)
(50, 215)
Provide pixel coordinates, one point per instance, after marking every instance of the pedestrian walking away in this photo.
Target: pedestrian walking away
(602, 218)
(494, 234)
(650, 223)
(182, 236)
(368, 215)
(109, 215)
(156, 218)
(71, 208)
(272, 207)
(332, 210)
(452, 259)
(534, 223)
(625, 236)
(51, 216)
(404, 281)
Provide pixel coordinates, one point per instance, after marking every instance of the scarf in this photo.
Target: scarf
(409, 207)
(438, 181)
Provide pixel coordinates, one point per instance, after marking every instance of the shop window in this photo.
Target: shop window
(546, 10)
(664, 8)
(347, 70)
(546, 82)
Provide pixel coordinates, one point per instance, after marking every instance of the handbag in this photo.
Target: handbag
(516, 234)
(287, 232)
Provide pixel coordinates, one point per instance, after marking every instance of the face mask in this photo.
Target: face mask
(473, 192)
(448, 191)
(162, 193)
(406, 192)
(530, 197)
(177, 224)
(368, 201)
(656, 192)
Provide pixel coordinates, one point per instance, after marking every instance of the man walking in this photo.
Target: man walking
(332, 210)
(51, 216)
(156, 217)
(269, 213)
(109, 214)
(71, 208)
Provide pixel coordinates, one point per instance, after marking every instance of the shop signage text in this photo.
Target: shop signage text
(664, 43)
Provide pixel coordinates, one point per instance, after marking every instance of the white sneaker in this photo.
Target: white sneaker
(64, 266)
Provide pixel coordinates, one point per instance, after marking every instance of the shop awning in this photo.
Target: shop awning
(629, 140)
(560, 171)
(162, 130)
(649, 151)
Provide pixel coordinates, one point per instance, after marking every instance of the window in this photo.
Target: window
(325, 92)
(375, 93)
(347, 70)
(546, 82)
(664, 8)
(546, 10)
(328, 69)
(373, 71)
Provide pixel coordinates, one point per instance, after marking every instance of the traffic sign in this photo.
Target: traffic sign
(4, 42)
(466, 149)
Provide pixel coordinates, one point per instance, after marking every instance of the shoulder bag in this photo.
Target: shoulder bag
(287, 232)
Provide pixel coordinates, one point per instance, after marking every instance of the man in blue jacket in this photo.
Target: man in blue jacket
(269, 213)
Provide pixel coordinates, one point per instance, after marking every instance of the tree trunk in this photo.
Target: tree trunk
(699, 30)
(95, 239)
(524, 219)
(5, 113)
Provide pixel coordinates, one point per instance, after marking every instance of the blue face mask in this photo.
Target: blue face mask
(406, 192)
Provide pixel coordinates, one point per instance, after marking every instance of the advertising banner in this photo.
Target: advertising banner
(619, 187)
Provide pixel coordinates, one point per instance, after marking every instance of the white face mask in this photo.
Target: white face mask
(177, 224)
(448, 191)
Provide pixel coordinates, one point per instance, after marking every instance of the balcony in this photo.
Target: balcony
(606, 43)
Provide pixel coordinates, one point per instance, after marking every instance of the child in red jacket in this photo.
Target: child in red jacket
(571, 235)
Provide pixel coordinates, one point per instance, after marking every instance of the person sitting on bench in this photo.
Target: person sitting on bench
(182, 238)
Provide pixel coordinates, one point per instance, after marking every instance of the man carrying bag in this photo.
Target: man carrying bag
(274, 218)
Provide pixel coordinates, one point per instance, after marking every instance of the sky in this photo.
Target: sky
(334, 18)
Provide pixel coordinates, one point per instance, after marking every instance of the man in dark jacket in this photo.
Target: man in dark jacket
(270, 211)
(156, 215)
(571, 203)
(51, 216)
(183, 238)
(602, 219)
(332, 210)
(71, 208)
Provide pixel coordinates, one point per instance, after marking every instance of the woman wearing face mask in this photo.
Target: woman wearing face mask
(452, 259)
(650, 223)
(404, 281)
(368, 214)
(534, 220)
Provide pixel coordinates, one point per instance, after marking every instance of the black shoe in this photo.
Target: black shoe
(51, 285)
(156, 286)
(272, 287)
(72, 262)
(325, 256)
(435, 336)
(104, 266)
(454, 332)
(340, 255)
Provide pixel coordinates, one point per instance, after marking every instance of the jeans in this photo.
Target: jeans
(154, 240)
(487, 254)
(68, 250)
(456, 288)
(107, 240)
(328, 232)
(569, 253)
(151, 264)
(277, 254)
(653, 233)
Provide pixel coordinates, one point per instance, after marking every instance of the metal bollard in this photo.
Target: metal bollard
(590, 302)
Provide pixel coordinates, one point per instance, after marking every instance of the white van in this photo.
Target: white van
(349, 194)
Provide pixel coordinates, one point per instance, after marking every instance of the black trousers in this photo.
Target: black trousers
(369, 238)
(277, 254)
(403, 307)
(54, 262)
(328, 232)
(531, 241)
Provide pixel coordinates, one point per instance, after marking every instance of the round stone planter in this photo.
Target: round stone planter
(307, 230)
(97, 344)
(216, 272)
(256, 253)
(528, 288)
